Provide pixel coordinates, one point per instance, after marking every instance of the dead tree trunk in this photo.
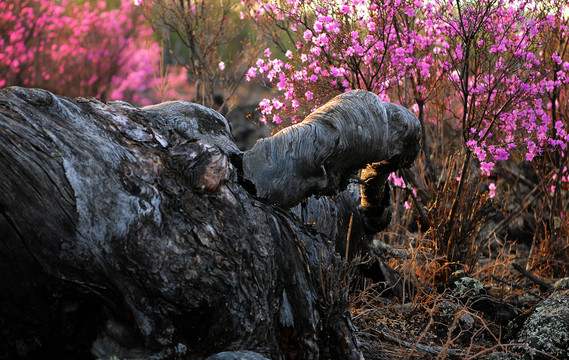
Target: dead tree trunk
(353, 132)
(133, 232)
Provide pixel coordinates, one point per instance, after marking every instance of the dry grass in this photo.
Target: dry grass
(425, 248)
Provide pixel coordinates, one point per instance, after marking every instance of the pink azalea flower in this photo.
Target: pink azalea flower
(486, 167)
(492, 191)
(501, 155)
(251, 73)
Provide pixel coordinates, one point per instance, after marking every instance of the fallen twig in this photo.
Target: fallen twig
(517, 286)
(434, 350)
(422, 335)
(542, 284)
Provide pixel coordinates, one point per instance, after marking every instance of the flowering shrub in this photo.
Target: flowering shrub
(77, 50)
(485, 59)
(486, 78)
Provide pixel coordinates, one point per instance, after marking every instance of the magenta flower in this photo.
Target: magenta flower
(506, 89)
(486, 167)
(501, 155)
(251, 73)
(492, 190)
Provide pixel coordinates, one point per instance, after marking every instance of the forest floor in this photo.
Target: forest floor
(470, 316)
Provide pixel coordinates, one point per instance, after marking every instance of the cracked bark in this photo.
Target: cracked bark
(130, 232)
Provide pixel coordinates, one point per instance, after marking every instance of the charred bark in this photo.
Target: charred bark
(321, 154)
(315, 161)
(127, 232)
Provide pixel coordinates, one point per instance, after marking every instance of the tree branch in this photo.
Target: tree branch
(319, 155)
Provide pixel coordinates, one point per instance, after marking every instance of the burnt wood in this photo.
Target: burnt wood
(134, 232)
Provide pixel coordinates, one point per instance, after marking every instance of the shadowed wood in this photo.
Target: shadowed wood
(319, 155)
(126, 232)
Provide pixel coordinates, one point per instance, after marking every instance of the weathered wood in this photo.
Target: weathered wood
(322, 153)
(127, 232)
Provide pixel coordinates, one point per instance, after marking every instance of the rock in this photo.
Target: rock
(448, 312)
(547, 329)
(562, 284)
(237, 355)
(501, 356)
(463, 286)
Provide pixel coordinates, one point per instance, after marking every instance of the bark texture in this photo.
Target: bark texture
(319, 155)
(312, 166)
(127, 232)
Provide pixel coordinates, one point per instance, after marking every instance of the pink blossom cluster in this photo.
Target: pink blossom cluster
(501, 68)
(350, 44)
(77, 50)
